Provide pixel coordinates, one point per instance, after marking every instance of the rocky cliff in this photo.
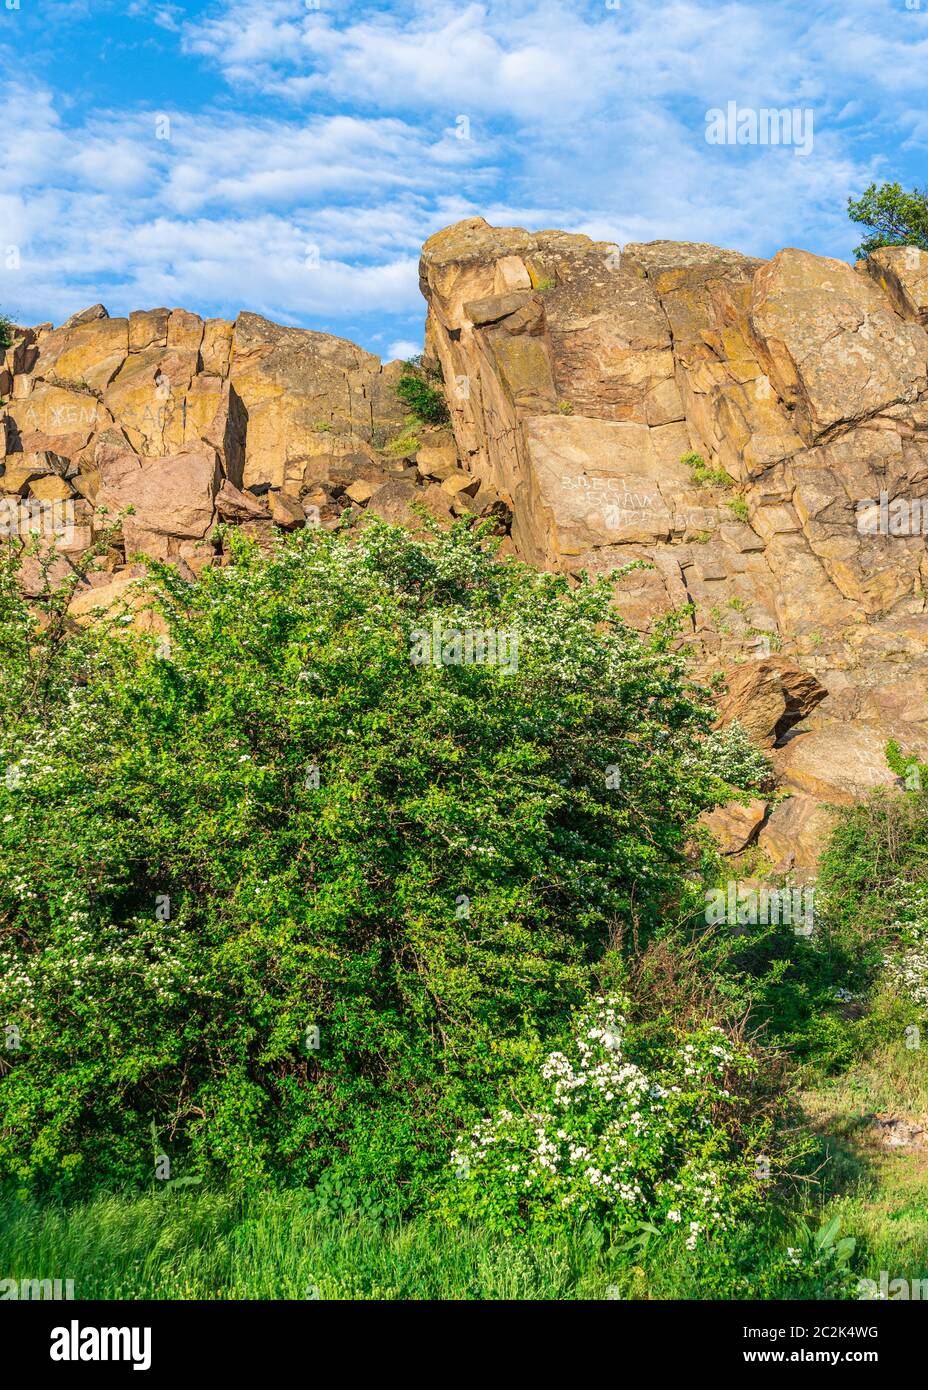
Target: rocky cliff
(173, 424)
(755, 432)
(744, 427)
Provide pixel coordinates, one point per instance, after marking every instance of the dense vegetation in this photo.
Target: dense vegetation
(421, 388)
(891, 216)
(370, 958)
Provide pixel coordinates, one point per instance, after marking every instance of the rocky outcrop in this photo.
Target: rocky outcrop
(734, 424)
(581, 375)
(767, 698)
(151, 430)
(741, 427)
(584, 377)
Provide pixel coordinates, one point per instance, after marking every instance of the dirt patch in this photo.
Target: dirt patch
(894, 1132)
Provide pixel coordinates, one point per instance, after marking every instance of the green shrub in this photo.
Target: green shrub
(425, 399)
(595, 1137)
(703, 474)
(907, 766)
(268, 821)
(877, 845)
(6, 332)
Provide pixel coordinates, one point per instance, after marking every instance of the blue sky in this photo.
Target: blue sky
(290, 156)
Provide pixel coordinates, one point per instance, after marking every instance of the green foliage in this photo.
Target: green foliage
(406, 442)
(731, 756)
(425, 399)
(703, 474)
(876, 845)
(891, 216)
(594, 1137)
(267, 820)
(6, 332)
(739, 509)
(541, 283)
(907, 766)
(862, 978)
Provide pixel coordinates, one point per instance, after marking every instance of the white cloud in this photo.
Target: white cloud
(402, 350)
(339, 130)
(549, 63)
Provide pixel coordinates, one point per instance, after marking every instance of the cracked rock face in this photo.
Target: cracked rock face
(580, 374)
(162, 419)
(745, 428)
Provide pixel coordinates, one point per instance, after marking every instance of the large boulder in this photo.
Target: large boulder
(735, 826)
(399, 499)
(300, 390)
(835, 764)
(832, 344)
(85, 351)
(62, 419)
(121, 595)
(234, 505)
(170, 498)
(768, 697)
(795, 834)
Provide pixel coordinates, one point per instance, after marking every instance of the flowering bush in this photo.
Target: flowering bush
(600, 1137)
(907, 967)
(277, 899)
(729, 755)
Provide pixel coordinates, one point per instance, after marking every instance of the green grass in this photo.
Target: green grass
(208, 1246)
(703, 474)
(407, 441)
(211, 1246)
(881, 1195)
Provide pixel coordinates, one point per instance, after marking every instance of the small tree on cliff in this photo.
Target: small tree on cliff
(891, 216)
(420, 387)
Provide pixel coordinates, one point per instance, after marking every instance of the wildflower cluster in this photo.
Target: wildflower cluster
(602, 1137)
(907, 967)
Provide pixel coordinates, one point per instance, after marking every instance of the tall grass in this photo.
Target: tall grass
(215, 1246)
